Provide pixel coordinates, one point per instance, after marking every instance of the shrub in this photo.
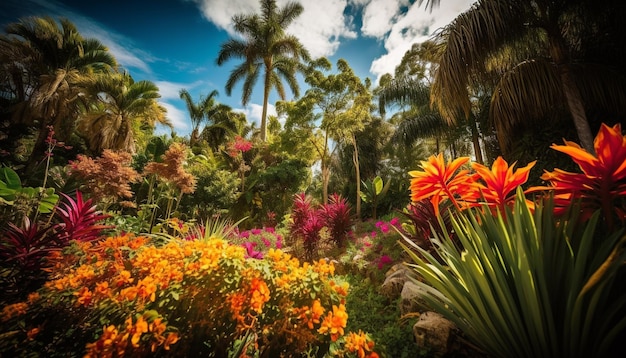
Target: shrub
(125, 295)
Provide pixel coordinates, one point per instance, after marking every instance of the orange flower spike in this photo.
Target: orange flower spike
(500, 180)
(438, 181)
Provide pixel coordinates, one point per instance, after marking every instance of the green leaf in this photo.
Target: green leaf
(10, 178)
(378, 185)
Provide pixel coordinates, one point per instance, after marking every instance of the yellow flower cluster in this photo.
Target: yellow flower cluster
(208, 287)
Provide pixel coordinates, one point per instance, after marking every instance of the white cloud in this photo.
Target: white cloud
(319, 28)
(253, 112)
(378, 15)
(179, 118)
(415, 26)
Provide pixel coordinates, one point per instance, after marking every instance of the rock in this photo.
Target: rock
(435, 333)
(395, 278)
(411, 298)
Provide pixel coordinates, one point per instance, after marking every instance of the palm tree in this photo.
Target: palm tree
(199, 112)
(265, 47)
(44, 62)
(224, 125)
(543, 54)
(117, 108)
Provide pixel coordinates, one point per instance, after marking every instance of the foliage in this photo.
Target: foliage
(372, 249)
(186, 298)
(216, 191)
(18, 202)
(258, 241)
(24, 249)
(373, 191)
(79, 220)
(371, 311)
(531, 278)
(107, 178)
(337, 217)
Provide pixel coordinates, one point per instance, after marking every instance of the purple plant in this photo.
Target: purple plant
(79, 220)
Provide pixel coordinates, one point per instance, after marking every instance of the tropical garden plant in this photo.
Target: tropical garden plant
(126, 296)
(534, 276)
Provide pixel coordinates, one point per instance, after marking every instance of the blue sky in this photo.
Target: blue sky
(175, 43)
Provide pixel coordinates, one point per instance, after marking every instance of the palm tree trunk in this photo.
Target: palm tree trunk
(558, 52)
(476, 141)
(574, 102)
(266, 98)
(38, 150)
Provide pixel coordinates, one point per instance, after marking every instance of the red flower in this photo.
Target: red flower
(438, 182)
(603, 177)
(500, 181)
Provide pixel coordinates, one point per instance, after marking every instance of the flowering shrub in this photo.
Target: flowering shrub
(258, 241)
(126, 296)
(373, 249)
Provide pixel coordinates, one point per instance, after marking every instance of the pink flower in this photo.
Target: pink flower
(251, 253)
(256, 231)
(384, 228)
(384, 260)
(373, 234)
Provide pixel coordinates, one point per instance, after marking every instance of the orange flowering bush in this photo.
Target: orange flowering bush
(127, 296)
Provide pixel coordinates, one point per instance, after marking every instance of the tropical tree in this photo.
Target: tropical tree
(117, 107)
(411, 89)
(42, 64)
(268, 48)
(224, 125)
(198, 112)
(543, 55)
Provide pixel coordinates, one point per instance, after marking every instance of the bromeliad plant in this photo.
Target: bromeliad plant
(531, 279)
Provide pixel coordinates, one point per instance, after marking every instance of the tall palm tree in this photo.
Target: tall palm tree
(198, 112)
(118, 107)
(51, 60)
(543, 54)
(265, 47)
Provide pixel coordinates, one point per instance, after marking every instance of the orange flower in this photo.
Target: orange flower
(84, 296)
(140, 327)
(500, 181)
(260, 294)
(438, 181)
(335, 322)
(360, 343)
(171, 339)
(32, 333)
(603, 177)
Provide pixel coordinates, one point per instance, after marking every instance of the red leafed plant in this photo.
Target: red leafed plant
(306, 224)
(26, 246)
(79, 220)
(308, 221)
(337, 218)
